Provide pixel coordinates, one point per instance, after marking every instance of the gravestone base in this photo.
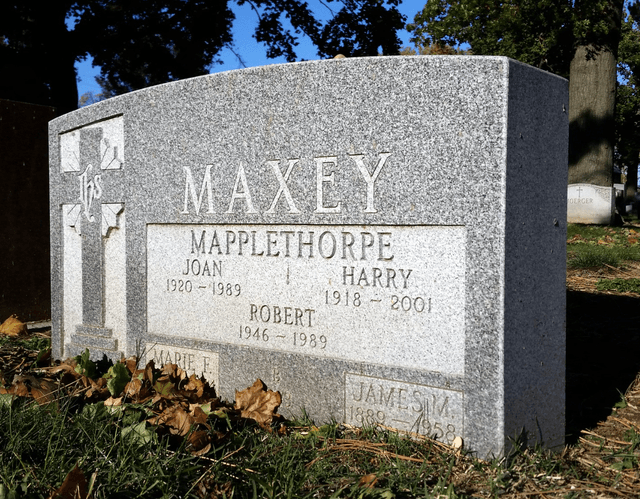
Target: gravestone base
(590, 204)
(98, 340)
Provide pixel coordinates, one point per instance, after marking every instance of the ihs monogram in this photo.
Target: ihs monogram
(90, 189)
(106, 139)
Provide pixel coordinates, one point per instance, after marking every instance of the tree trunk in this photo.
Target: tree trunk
(631, 186)
(592, 90)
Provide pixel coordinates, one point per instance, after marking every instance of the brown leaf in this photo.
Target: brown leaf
(13, 327)
(200, 442)
(73, 487)
(210, 489)
(198, 390)
(175, 418)
(195, 385)
(258, 403)
(174, 372)
(113, 402)
(368, 481)
(131, 364)
(132, 388)
(198, 415)
(67, 368)
(19, 388)
(42, 390)
(148, 371)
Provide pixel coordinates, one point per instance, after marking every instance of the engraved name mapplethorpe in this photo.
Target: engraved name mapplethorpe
(92, 162)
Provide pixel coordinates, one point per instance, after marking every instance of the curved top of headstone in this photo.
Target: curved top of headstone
(351, 74)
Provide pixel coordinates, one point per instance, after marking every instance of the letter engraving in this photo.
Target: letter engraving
(370, 179)
(283, 189)
(322, 179)
(241, 178)
(190, 186)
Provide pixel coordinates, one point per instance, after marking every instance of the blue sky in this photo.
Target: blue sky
(251, 52)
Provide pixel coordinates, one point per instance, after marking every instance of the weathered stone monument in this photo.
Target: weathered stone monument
(381, 239)
(590, 204)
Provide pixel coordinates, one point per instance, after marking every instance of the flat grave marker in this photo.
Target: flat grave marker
(382, 240)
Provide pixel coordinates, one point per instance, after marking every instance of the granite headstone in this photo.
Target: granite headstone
(295, 223)
(590, 204)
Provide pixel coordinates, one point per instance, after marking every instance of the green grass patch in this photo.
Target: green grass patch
(620, 285)
(40, 445)
(590, 246)
(121, 458)
(33, 343)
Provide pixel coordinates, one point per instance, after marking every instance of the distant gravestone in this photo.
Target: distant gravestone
(590, 204)
(294, 223)
(24, 218)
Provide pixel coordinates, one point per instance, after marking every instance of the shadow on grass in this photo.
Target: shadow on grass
(603, 356)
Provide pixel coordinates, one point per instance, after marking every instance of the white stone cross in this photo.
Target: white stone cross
(87, 154)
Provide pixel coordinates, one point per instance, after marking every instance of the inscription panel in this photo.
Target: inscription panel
(349, 292)
(198, 362)
(422, 409)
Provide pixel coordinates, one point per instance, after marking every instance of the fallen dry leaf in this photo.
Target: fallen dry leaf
(42, 390)
(73, 487)
(175, 418)
(131, 364)
(199, 442)
(258, 403)
(113, 402)
(368, 481)
(13, 327)
(209, 488)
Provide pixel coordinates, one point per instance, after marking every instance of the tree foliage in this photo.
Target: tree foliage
(536, 33)
(38, 53)
(628, 93)
(628, 99)
(434, 49)
(138, 43)
(360, 28)
(544, 33)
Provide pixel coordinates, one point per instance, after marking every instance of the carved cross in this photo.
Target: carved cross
(92, 164)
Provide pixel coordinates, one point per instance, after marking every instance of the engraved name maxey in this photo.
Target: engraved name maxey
(326, 169)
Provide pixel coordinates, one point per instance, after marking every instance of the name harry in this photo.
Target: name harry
(325, 171)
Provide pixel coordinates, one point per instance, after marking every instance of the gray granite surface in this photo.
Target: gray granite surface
(380, 239)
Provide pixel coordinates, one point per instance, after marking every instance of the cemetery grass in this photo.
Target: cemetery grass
(115, 453)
